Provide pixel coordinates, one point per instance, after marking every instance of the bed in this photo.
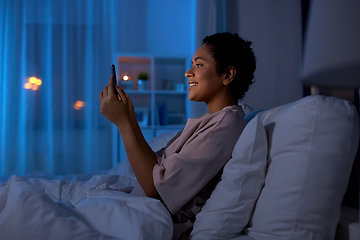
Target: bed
(286, 180)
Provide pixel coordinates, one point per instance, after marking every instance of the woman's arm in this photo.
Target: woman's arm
(142, 159)
(137, 129)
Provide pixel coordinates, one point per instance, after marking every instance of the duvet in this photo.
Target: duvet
(103, 207)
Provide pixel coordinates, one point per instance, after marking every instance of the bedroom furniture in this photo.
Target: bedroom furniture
(287, 177)
(298, 163)
(164, 105)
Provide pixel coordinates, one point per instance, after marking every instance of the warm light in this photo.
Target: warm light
(38, 82)
(27, 85)
(78, 105)
(126, 77)
(33, 83)
(32, 80)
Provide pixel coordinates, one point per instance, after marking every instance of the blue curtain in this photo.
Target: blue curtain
(55, 58)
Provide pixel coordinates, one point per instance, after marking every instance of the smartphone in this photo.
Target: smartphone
(113, 74)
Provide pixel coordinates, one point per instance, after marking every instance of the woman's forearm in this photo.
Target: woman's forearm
(142, 160)
(141, 138)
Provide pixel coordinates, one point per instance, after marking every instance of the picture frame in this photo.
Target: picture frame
(142, 115)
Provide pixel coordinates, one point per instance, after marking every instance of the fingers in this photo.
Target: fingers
(109, 92)
(104, 94)
(117, 90)
(121, 92)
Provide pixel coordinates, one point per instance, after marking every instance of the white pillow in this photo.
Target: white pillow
(312, 145)
(228, 210)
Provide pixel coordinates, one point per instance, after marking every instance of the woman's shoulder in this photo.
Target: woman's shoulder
(229, 117)
(227, 128)
(234, 110)
(229, 114)
(225, 120)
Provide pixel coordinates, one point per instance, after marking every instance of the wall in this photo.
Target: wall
(275, 28)
(169, 27)
(154, 26)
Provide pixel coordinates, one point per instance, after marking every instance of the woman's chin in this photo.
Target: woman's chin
(192, 98)
(195, 97)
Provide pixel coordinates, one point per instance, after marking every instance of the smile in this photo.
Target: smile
(192, 85)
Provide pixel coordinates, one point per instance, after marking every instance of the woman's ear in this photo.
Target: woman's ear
(229, 75)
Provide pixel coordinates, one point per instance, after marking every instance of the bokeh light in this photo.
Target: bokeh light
(38, 82)
(33, 83)
(126, 77)
(78, 105)
(27, 85)
(32, 80)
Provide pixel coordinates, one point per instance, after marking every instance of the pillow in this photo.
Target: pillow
(312, 145)
(251, 115)
(228, 210)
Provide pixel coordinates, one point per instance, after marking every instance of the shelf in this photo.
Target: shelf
(164, 105)
(170, 92)
(133, 92)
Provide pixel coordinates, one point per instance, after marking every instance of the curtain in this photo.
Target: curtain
(55, 58)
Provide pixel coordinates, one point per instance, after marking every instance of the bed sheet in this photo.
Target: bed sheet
(103, 207)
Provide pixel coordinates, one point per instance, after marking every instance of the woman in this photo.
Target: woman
(184, 173)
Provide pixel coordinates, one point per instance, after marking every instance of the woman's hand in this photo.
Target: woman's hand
(118, 109)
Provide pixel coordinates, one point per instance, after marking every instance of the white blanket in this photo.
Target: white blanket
(104, 207)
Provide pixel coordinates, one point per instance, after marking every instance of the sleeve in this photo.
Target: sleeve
(179, 177)
(160, 153)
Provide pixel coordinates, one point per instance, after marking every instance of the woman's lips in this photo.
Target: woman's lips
(192, 84)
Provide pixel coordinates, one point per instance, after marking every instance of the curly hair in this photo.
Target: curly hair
(228, 49)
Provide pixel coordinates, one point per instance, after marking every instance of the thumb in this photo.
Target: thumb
(111, 79)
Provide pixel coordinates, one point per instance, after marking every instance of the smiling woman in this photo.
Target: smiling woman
(205, 84)
(184, 173)
(223, 68)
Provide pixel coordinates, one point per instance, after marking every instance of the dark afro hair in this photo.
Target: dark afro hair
(229, 49)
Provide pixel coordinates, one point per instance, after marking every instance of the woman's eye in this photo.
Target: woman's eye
(198, 65)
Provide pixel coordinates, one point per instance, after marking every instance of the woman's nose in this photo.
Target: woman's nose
(189, 74)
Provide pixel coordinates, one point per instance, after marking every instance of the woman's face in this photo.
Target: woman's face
(205, 83)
